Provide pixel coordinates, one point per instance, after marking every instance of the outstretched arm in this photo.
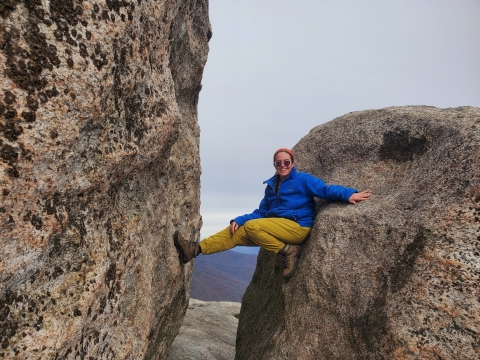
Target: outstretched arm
(361, 196)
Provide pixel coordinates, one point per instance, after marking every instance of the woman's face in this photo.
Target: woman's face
(281, 159)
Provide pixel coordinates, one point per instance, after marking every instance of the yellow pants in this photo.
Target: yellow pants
(269, 233)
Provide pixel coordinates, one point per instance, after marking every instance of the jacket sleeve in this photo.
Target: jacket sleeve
(256, 214)
(317, 187)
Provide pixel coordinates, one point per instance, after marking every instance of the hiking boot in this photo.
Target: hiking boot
(290, 254)
(186, 249)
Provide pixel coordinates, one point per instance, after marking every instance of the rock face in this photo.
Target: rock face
(208, 332)
(99, 165)
(395, 277)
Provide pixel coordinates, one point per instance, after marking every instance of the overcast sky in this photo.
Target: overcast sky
(278, 68)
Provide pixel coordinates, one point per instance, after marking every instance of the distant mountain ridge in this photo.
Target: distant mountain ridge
(222, 276)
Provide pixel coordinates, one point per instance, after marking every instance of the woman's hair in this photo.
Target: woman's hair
(288, 151)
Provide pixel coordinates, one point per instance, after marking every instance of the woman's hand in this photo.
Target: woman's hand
(356, 197)
(233, 227)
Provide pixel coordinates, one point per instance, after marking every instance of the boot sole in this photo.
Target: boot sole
(181, 255)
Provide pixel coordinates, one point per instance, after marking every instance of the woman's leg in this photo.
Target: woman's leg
(269, 233)
(223, 240)
(273, 233)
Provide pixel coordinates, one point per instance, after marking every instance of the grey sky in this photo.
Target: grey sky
(278, 68)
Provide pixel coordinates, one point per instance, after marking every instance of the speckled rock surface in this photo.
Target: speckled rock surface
(395, 277)
(99, 164)
(208, 332)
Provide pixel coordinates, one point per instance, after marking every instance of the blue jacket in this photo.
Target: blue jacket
(294, 200)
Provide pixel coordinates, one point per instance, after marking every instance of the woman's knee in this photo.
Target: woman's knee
(250, 226)
(247, 227)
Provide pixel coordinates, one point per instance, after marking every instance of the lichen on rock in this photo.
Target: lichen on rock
(99, 165)
(395, 277)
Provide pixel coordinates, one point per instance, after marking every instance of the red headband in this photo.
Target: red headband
(284, 150)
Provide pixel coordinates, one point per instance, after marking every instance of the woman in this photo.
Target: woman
(283, 220)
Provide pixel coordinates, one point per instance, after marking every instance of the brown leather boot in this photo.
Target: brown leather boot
(186, 249)
(290, 254)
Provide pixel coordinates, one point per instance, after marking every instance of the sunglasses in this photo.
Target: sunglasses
(279, 163)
